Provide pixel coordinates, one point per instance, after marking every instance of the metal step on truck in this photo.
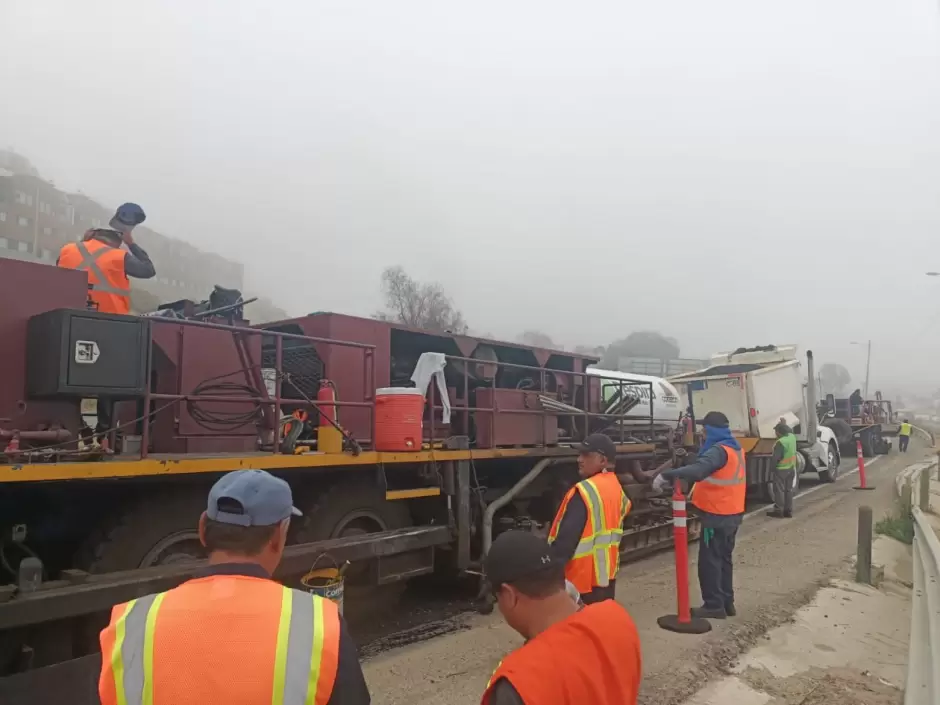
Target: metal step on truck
(756, 388)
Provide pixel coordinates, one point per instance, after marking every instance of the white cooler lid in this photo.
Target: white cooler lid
(389, 391)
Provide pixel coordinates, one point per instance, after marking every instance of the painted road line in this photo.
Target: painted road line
(820, 486)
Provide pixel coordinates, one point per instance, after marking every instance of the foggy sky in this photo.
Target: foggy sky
(729, 172)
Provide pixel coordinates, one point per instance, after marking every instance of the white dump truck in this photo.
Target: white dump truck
(756, 388)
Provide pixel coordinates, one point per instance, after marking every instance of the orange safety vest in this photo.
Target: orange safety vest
(593, 657)
(108, 285)
(597, 558)
(219, 640)
(723, 491)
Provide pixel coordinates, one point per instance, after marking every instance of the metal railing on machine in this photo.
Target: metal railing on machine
(616, 410)
(270, 405)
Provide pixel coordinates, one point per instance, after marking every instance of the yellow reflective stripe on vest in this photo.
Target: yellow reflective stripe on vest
(599, 543)
(905, 430)
(132, 658)
(299, 651)
(739, 477)
(297, 661)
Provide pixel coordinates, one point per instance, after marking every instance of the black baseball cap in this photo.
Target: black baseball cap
(599, 443)
(516, 555)
(715, 419)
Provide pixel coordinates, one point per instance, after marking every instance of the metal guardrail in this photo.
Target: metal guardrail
(923, 676)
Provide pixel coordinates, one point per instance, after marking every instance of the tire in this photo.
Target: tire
(832, 471)
(157, 530)
(868, 445)
(349, 509)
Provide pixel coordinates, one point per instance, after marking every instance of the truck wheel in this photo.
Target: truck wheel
(832, 470)
(157, 530)
(868, 445)
(350, 509)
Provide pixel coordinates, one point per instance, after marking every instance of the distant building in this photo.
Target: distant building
(37, 219)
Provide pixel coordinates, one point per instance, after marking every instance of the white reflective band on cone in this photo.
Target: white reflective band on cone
(679, 521)
(678, 505)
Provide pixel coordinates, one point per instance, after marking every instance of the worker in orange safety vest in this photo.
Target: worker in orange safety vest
(720, 478)
(573, 655)
(232, 635)
(99, 254)
(585, 535)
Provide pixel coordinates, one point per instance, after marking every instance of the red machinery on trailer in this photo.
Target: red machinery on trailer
(191, 394)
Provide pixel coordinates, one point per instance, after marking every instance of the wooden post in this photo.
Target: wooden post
(924, 491)
(863, 553)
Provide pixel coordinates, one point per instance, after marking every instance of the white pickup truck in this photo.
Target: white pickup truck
(756, 388)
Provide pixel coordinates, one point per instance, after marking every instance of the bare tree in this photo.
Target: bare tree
(834, 378)
(413, 303)
(643, 343)
(537, 339)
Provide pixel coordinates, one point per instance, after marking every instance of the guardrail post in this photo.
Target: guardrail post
(924, 491)
(863, 552)
(906, 502)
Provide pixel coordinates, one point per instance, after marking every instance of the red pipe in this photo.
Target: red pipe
(53, 436)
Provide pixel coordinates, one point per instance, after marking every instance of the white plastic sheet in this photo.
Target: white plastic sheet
(431, 365)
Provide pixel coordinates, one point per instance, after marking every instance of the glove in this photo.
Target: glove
(660, 483)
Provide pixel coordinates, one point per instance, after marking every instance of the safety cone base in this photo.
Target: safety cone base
(696, 625)
(866, 487)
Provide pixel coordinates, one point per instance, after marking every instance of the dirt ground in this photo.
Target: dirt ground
(836, 686)
(779, 566)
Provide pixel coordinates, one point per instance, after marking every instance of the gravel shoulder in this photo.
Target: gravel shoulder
(780, 566)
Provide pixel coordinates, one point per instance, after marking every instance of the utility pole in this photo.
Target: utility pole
(867, 368)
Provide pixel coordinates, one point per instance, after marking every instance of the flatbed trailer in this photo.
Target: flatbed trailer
(113, 523)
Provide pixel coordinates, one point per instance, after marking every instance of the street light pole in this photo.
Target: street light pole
(867, 365)
(867, 368)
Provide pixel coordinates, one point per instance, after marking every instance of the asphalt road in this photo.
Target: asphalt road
(779, 565)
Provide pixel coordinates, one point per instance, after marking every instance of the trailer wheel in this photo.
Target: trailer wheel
(156, 530)
(832, 470)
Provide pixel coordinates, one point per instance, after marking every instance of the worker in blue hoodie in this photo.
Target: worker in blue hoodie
(719, 482)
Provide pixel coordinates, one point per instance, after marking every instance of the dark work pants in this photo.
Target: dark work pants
(902, 443)
(715, 569)
(783, 490)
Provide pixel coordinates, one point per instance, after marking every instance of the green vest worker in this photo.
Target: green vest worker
(784, 460)
(904, 436)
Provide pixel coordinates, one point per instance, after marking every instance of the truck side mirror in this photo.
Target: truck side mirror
(831, 402)
(818, 434)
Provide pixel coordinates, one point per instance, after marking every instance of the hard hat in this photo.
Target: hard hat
(128, 215)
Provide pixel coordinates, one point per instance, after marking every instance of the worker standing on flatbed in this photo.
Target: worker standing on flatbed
(586, 533)
(99, 254)
(719, 474)
(231, 635)
(573, 655)
(904, 436)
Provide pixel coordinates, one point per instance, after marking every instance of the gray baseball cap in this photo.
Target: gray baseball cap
(263, 500)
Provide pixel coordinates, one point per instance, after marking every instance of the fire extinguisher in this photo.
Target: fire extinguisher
(326, 401)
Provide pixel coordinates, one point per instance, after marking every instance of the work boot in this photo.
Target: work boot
(708, 612)
(730, 610)
(775, 514)
(788, 515)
